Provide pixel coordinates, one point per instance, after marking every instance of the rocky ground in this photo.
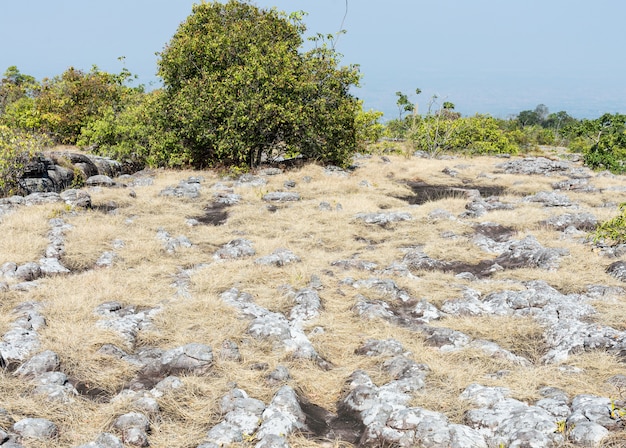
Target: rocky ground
(457, 302)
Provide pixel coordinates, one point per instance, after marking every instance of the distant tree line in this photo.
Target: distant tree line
(239, 91)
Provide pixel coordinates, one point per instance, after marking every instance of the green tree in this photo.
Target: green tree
(73, 100)
(238, 90)
(603, 142)
(15, 86)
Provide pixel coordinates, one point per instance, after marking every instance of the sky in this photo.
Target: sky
(495, 57)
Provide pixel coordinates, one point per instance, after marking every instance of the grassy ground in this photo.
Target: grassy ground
(143, 272)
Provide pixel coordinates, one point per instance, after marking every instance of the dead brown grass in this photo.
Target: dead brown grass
(143, 272)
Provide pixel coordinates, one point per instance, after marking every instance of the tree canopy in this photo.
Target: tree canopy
(238, 90)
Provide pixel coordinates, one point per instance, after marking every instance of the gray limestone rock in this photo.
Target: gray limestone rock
(166, 385)
(52, 266)
(617, 270)
(375, 347)
(535, 165)
(42, 198)
(226, 198)
(237, 248)
(279, 375)
(580, 221)
(186, 189)
(250, 180)
(28, 272)
(281, 196)
(549, 199)
(282, 416)
(528, 252)
(46, 361)
(36, 428)
(104, 440)
(193, 358)
(172, 244)
(383, 219)
(76, 198)
(279, 257)
(99, 180)
(586, 433)
(360, 265)
(55, 386)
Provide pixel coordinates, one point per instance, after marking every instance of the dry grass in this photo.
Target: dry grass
(143, 272)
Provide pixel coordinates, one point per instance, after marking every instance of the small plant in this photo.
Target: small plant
(613, 231)
(617, 413)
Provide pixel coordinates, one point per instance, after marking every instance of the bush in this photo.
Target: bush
(480, 134)
(613, 231)
(16, 149)
(238, 91)
(606, 137)
(368, 128)
(15, 86)
(69, 102)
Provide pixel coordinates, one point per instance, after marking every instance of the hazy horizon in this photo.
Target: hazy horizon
(484, 56)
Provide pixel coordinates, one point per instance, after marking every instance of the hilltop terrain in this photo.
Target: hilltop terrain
(452, 302)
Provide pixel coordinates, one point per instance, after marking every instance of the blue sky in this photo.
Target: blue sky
(485, 56)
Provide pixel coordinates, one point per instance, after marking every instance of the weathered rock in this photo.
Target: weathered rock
(383, 219)
(237, 248)
(134, 427)
(126, 321)
(42, 198)
(374, 347)
(22, 340)
(549, 199)
(100, 180)
(76, 198)
(270, 171)
(535, 165)
(282, 416)
(250, 180)
(166, 385)
(36, 428)
(528, 252)
(55, 386)
(104, 440)
(279, 375)
(580, 184)
(52, 266)
(172, 244)
(43, 362)
(281, 196)
(186, 189)
(617, 270)
(279, 257)
(360, 265)
(192, 358)
(226, 197)
(580, 221)
(28, 272)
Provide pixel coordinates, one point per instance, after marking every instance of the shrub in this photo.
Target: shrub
(238, 90)
(613, 231)
(368, 128)
(75, 99)
(480, 134)
(16, 149)
(606, 137)
(15, 86)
